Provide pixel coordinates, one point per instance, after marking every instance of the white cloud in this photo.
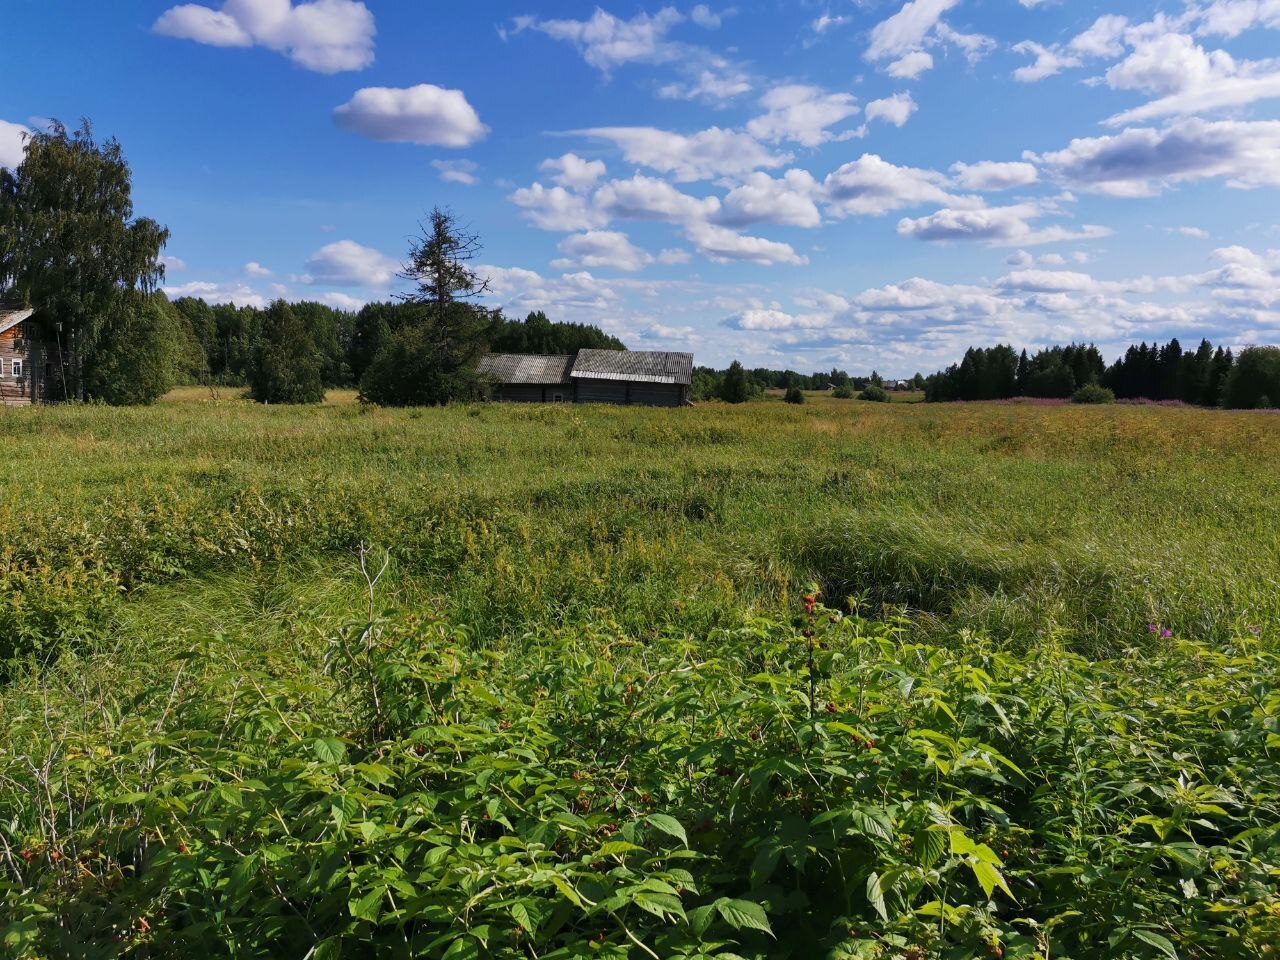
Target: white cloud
(13, 145)
(238, 293)
(1103, 39)
(1230, 18)
(774, 320)
(907, 30)
(572, 172)
(602, 248)
(555, 208)
(173, 264)
(706, 155)
(802, 114)
(342, 301)
(911, 65)
(648, 198)
(872, 186)
(606, 42)
(1141, 161)
(425, 114)
(704, 16)
(825, 22)
(347, 263)
(1197, 233)
(714, 86)
(457, 171)
(328, 36)
(253, 269)
(991, 175)
(896, 109)
(998, 226)
(1048, 61)
(762, 199)
(722, 245)
(1188, 79)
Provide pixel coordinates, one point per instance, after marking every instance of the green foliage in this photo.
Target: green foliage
(142, 351)
(1093, 393)
(843, 392)
(594, 706)
(1255, 379)
(735, 387)
(286, 363)
(429, 363)
(874, 394)
(794, 395)
(71, 242)
(538, 334)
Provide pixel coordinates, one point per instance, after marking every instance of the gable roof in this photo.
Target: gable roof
(10, 319)
(636, 366)
(522, 368)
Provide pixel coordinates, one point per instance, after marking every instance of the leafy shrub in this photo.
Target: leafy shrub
(874, 394)
(1093, 393)
(45, 609)
(1254, 380)
(794, 395)
(843, 392)
(139, 358)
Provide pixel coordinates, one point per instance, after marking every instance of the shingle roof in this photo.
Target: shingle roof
(636, 366)
(10, 319)
(521, 368)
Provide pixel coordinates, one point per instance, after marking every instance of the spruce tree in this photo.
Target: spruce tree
(735, 388)
(286, 363)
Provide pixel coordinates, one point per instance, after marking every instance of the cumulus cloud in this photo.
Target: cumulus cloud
(911, 65)
(555, 208)
(254, 269)
(425, 114)
(998, 226)
(1230, 18)
(714, 85)
(896, 109)
(788, 200)
(572, 172)
(871, 185)
(606, 41)
(327, 36)
(908, 29)
(1103, 39)
(13, 144)
(602, 248)
(1048, 61)
(648, 198)
(802, 114)
(1187, 79)
(171, 264)
(722, 245)
(774, 320)
(240, 294)
(457, 171)
(706, 155)
(704, 16)
(348, 264)
(991, 175)
(1141, 161)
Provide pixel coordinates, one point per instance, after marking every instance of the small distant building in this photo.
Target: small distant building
(639, 377)
(23, 373)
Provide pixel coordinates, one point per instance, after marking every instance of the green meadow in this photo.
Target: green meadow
(838, 680)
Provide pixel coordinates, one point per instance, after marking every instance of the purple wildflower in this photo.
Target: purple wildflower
(1152, 628)
(1166, 633)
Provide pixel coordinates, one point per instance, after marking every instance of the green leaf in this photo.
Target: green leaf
(329, 749)
(930, 846)
(876, 896)
(989, 877)
(668, 825)
(743, 915)
(1157, 941)
(464, 948)
(367, 907)
(330, 949)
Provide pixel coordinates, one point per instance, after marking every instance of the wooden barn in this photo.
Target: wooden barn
(640, 377)
(23, 376)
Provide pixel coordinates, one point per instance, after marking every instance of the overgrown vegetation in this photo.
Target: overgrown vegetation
(981, 687)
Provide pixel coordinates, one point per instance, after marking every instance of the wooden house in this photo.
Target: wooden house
(640, 377)
(23, 373)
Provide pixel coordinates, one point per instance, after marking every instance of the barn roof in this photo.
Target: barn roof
(522, 368)
(11, 318)
(636, 366)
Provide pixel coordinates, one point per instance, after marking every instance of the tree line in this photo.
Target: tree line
(737, 384)
(1208, 376)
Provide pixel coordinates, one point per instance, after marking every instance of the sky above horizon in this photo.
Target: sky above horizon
(853, 183)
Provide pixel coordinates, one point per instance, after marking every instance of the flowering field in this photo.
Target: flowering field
(846, 680)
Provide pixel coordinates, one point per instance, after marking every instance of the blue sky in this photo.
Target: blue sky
(862, 183)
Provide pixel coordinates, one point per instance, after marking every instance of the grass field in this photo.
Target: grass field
(843, 679)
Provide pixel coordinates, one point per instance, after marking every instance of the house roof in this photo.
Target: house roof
(636, 366)
(11, 318)
(521, 368)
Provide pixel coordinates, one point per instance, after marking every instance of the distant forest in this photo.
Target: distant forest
(222, 339)
(1207, 376)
